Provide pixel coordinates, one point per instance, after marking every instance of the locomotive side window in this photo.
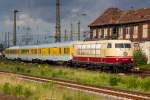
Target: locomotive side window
(119, 45)
(122, 45)
(127, 45)
(109, 45)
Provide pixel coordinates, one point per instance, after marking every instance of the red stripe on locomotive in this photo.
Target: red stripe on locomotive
(109, 60)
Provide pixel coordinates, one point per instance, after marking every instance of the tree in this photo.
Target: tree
(139, 58)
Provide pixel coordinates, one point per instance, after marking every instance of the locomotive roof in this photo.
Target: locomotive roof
(105, 41)
(66, 44)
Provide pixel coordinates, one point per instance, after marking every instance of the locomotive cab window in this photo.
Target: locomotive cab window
(109, 45)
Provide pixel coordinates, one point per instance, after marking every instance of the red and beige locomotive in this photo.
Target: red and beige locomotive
(106, 54)
(103, 54)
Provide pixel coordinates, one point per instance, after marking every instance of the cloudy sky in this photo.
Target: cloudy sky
(40, 14)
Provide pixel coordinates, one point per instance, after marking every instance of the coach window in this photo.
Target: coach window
(60, 51)
(39, 51)
(36, 51)
(66, 51)
(49, 51)
(109, 45)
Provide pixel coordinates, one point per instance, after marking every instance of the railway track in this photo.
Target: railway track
(98, 90)
(142, 73)
(8, 97)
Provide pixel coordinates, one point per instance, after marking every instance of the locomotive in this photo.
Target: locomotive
(103, 54)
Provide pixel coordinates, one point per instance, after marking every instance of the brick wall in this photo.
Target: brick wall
(131, 32)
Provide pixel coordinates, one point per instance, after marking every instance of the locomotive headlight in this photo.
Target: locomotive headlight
(132, 59)
(117, 59)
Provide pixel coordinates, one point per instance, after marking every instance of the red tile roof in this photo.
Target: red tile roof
(117, 16)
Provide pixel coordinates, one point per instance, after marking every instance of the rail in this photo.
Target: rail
(101, 90)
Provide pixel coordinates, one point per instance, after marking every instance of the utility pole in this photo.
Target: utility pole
(58, 26)
(5, 39)
(66, 38)
(14, 33)
(79, 26)
(8, 39)
(79, 30)
(71, 32)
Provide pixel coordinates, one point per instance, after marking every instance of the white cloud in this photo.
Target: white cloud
(37, 25)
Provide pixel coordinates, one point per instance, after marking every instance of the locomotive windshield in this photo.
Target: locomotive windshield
(122, 45)
(109, 45)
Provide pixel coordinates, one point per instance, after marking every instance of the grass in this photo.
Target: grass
(133, 83)
(144, 66)
(27, 90)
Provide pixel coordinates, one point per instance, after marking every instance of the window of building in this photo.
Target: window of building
(105, 32)
(94, 33)
(120, 33)
(100, 32)
(135, 32)
(110, 31)
(115, 32)
(145, 30)
(97, 33)
(127, 32)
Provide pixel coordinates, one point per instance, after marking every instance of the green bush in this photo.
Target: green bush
(43, 73)
(28, 71)
(145, 84)
(139, 58)
(113, 81)
(7, 88)
(66, 97)
(27, 92)
(18, 90)
(132, 83)
(19, 69)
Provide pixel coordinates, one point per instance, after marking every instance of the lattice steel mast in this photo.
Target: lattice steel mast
(58, 26)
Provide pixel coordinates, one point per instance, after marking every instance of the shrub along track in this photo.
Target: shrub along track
(83, 87)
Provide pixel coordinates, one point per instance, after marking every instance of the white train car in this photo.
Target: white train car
(45, 52)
